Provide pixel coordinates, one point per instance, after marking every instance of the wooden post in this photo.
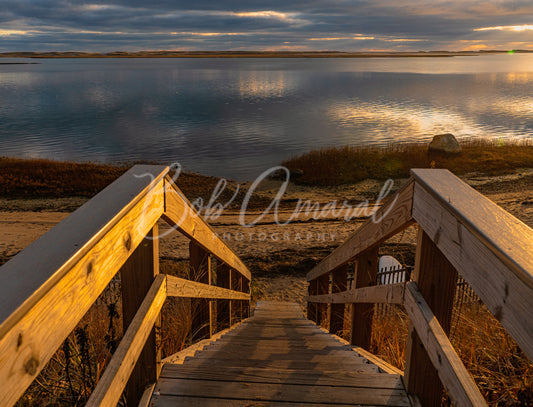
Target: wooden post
(223, 306)
(436, 279)
(234, 304)
(239, 302)
(362, 314)
(137, 276)
(212, 303)
(322, 288)
(245, 303)
(200, 271)
(312, 306)
(339, 280)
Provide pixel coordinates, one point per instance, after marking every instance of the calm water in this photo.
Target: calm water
(237, 117)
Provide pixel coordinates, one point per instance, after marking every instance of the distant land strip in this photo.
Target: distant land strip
(252, 54)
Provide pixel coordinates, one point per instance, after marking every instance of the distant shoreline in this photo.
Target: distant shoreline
(253, 54)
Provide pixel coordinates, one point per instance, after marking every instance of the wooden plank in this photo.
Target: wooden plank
(383, 366)
(245, 303)
(179, 357)
(223, 272)
(231, 303)
(236, 307)
(436, 279)
(312, 290)
(173, 401)
(377, 294)
(458, 383)
(284, 364)
(391, 218)
(501, 288)
(109, 389)
(147, 395)
(180, 215)
(276, 347)
(137, 276)
(362, 314)
(287, 376)
(338, 284)
(507, 237)
(288, 353)
(29, 275)
(286, 393)
(30, 336)
(322, 308)
(180, 287)
(212, 303)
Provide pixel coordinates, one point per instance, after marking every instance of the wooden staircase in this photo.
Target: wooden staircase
(277, 358)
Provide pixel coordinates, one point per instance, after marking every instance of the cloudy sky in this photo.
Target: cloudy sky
(343, 25)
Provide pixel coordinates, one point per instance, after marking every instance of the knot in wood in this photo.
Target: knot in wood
(127, 241)
(31, 366)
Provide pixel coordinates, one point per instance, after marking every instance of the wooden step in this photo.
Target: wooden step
(283, 376)
(267, 392)
(277, 358)
(284, 364)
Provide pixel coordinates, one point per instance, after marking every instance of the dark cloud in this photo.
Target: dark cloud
(134, 24)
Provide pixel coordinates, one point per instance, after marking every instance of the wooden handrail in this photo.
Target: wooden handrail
(391, 218)
(472, 236)
(47, 288)
(180, 214)
(110, 387)
(180, 287)
(453, 374)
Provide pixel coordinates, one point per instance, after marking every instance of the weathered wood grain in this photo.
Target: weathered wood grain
(137, 276)
(436, 279)
(173, 401)
(31, 335)
(377, 294)
(287, 376)
(29, 275)
(507, 237)
(179, 287)
(322, 308)
(180, 214)
(363, 313)
(391, 218)
(109, 389)
(498, 266)
(179, 357)
(458, 383)
(287, 393)
(147, 395)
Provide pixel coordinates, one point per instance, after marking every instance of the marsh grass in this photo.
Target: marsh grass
(500, 369)
(347, 165)
(39, 178)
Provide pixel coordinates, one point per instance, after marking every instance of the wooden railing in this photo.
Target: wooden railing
(46, 289)
(460, 231)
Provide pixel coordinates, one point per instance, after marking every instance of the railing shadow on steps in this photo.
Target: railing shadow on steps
(459, 232)
(47, 288)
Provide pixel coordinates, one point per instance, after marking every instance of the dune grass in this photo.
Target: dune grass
(347, 165)
(500, 369)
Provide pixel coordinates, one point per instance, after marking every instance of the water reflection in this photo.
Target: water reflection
(237, 117)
